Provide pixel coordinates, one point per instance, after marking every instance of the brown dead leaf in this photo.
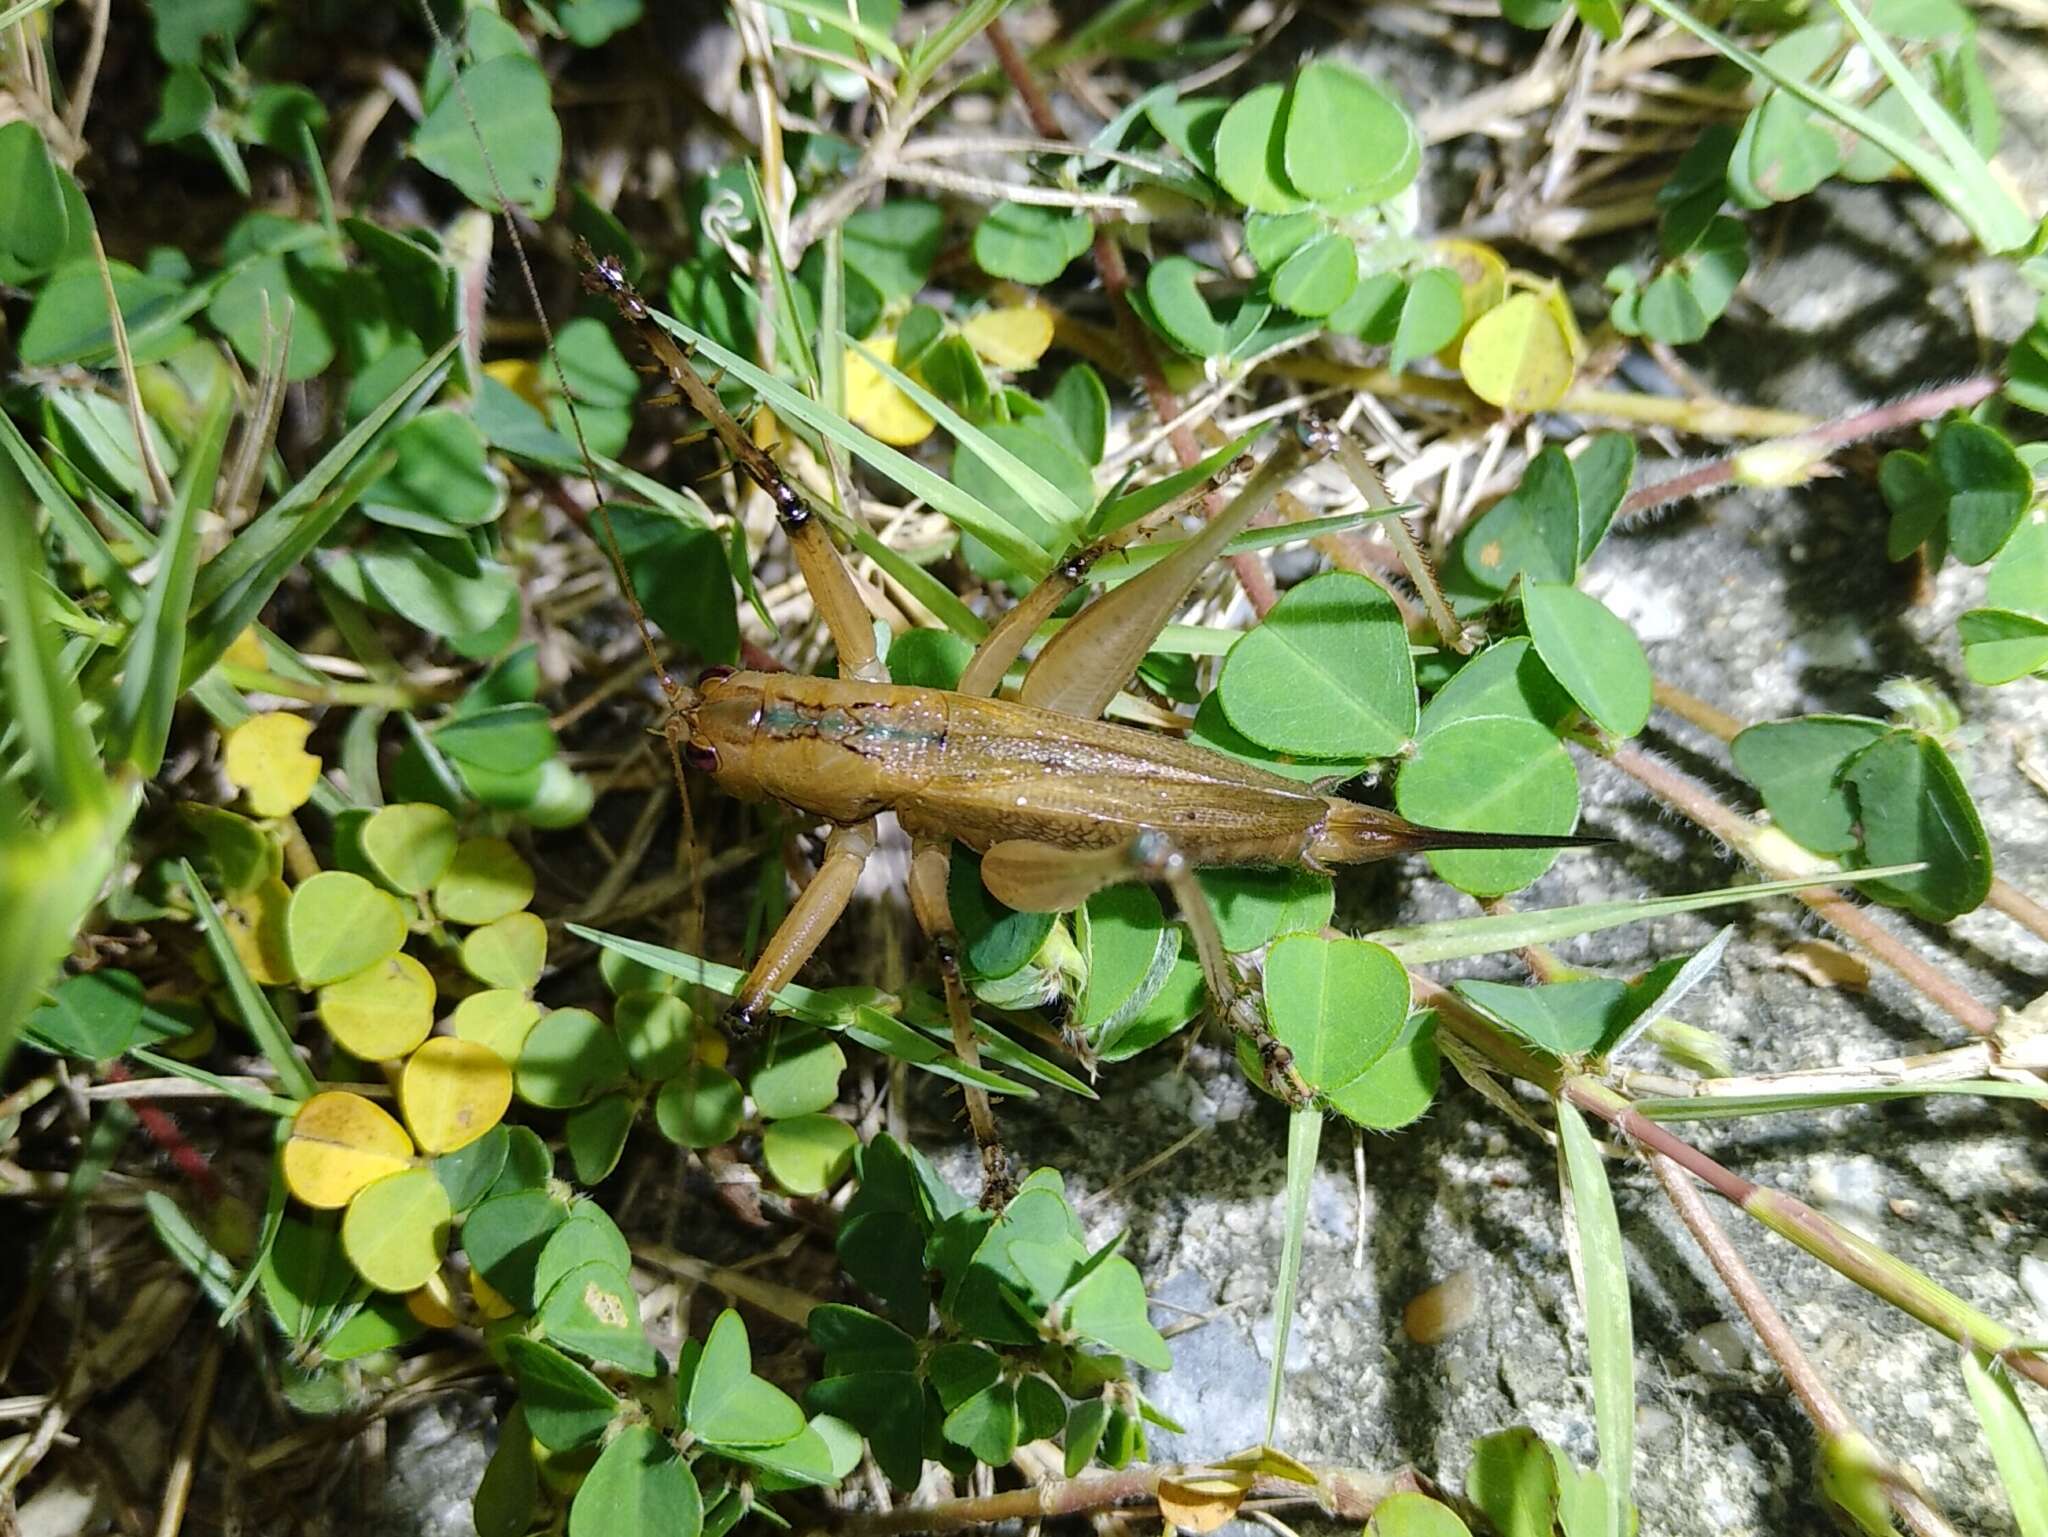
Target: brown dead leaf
(1203, 1502)
(1826, 964)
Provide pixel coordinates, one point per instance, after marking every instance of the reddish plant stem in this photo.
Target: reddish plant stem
(1348, 1494)
(1801, 1375)
(1250, 569)
(1698, 803)
(2018, 906)
(1959, 396)
(1841, 1250)
(1694, 711)
(162, 1128)
(1822, 1407)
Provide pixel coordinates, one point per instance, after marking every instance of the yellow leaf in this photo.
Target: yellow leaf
(266, 758)
(381, 1012)
(1202, 1504)
(522, 377)
(1013, 337)
(712, 1048)
(489, 1301)
(255, 924)
(246, 650)
(433, 1304)
(1482, 274)
(876, 406)
(1518, 356)
(499, 1018)
(452, 1092)
(340, 1142)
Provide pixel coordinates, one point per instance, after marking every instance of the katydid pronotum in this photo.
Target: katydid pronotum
(1058, 802)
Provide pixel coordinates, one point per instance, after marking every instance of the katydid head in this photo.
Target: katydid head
(715, 722)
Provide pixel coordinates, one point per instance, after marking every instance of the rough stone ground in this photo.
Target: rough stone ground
(1767, 605)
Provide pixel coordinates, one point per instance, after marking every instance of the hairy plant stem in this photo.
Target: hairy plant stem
(1795, 454)
(1858, 1259)
(1702, 418)
(1347, 1494)
(1801, 1375)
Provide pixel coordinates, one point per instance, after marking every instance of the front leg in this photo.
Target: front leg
(805, 926)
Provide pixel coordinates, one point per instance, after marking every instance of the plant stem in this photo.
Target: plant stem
(1697, 802)
(1802, 449)
(1348, 1494)
(1413, 557)
(1882, 1274)
(1694, 711)
(1806, 1382)
(1702, 418)
(1801, 1375)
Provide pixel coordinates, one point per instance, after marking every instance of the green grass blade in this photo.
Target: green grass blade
(1122, 565)
(22, 10)
(831, 355)
(1457, 939)
(934, 594)
(1728, 1107)
(241, 1093)
(1698, 967)
(293, 1076)
(966, 24)
(1304, 1136)
(262, 537)
(2015, 1449)
(942, 495)
(792, 336)
(1602, 1276)
(41, 697)
(1984, 204)
(1039, 494)
(102, 567)
(874, 39)
(802, 1002)
(214, 628)
(266, 1241)
(928, 1014)
(207, 1265)
(153, 669)
(50, 876)
(1965, 185)
(1130, 506)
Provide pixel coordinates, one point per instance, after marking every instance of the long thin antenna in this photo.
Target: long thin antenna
(600, 509)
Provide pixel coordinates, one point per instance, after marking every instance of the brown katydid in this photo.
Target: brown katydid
(1058, 802)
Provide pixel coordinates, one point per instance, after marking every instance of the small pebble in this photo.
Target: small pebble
(1719, 1348)
(1443, 1310)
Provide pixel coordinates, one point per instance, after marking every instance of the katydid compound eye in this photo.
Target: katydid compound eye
(700, 757)
(715, 673)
